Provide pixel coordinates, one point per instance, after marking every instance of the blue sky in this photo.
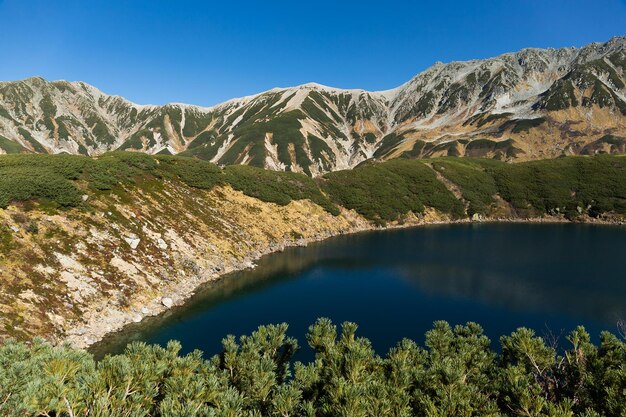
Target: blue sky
(202, 52)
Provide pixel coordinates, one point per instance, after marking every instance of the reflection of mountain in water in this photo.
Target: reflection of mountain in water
(518, 292)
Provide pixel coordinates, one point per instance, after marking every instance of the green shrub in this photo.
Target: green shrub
(10, 146)
(477, 187)
(385, 192)
(276, 187)
(524, 125)
(193, 172)
(21, 184)
(455, 373)
(563, 185)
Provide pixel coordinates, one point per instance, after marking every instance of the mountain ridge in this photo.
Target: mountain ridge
(531, 104)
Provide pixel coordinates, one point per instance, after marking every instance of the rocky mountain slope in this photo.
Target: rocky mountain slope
(532, 104)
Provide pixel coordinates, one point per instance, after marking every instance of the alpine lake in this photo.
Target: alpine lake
(396, 283)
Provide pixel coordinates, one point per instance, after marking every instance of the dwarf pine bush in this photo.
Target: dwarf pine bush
(456, 373)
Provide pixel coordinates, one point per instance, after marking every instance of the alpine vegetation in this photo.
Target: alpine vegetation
(456, 373)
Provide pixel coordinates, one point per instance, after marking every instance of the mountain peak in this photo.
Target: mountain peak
(534, 103)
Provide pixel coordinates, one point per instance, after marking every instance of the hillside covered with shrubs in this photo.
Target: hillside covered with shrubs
(381, 192)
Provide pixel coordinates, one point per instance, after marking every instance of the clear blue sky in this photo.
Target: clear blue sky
(204, 52)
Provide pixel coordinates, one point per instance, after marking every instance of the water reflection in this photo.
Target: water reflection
(395, 283)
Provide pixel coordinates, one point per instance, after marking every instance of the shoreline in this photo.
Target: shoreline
(92, 333)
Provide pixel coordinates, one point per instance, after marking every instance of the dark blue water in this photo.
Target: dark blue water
(395, 284)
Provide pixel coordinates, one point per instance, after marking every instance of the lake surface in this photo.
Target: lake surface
(395, 284)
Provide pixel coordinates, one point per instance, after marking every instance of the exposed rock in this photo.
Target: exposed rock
(124, 266)
(69, 263)
(132, 241)
(80, 285)
(80, 331)
(167, 302)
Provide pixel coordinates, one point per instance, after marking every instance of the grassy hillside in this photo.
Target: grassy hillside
(384, 192)
(61, 180)
(570, 186)
(456, 373)
(94, 243)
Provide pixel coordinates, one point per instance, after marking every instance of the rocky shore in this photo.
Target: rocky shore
(104, 325)
(99, 323)
(76, 276)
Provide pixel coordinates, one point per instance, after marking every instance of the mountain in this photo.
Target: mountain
(532, 104)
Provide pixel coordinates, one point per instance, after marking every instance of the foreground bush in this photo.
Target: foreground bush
(455, 374)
